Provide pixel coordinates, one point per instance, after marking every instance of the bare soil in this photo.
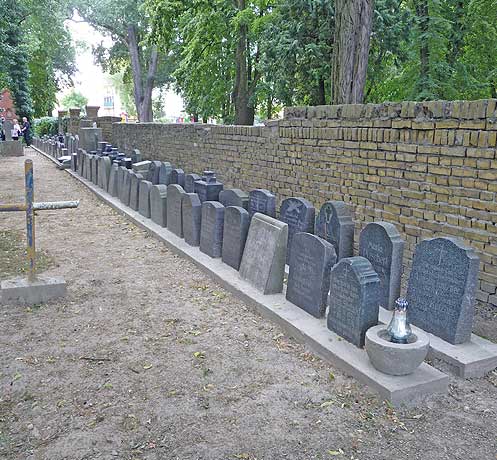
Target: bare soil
(147, 358)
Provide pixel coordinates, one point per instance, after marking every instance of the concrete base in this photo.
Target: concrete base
(468, 360)
(20, 291)
(11, 149)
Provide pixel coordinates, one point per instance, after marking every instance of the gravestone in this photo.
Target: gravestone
(192, 218)
(300, 215)
(190, 180)
(211, 230)
(208, 188)
(142, 167)
(134, 194)
(354, 299)
(174, 209)
(136, 156)
(309, 278)
(262, 201)
(144, 198)
(178, 177)
(124, 194)
(236, 225)
(158, 204)
(334, 224)
(94, 169)
(88, 166)
(104, 164)
(382, 245)
(234, 197)
(112, 188)
(120, 180)
(153, 172)
(442, 287)
(74, 162)
(263, 260)
(165, 171)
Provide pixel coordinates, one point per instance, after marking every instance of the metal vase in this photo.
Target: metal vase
(399, 328)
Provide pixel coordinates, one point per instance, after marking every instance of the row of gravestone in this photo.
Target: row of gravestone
(241, 229)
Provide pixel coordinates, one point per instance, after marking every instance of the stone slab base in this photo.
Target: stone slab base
(11, 149)
(20, 291)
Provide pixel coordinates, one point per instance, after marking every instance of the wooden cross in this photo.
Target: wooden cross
(30, 207)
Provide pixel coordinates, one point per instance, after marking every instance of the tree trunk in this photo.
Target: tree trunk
(321, 92)
(353, 24)
(422, 14)
(269, 106)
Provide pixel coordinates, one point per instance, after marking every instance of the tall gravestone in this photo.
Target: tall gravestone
(211, 229)
(442, 287)
(134, 194)
(262, 201)
(121, 170)
(208, 188)
(354, 299)
(192, 218)
(382, 245)
(104, 172)
(126, 187)
(190, 180)
(165, 171)
(263, 260)
(300, 215)
(112, 188)
(174, 209)
(236, 225)
(158, 204)
(234, 197)
(153, 172)
(309, 276)
(94, 169)
(334, 224)
(178, 177)
(144, 198)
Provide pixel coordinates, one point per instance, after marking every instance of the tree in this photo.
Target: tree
(75, 100)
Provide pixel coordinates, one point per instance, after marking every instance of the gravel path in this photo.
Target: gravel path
(147, 358)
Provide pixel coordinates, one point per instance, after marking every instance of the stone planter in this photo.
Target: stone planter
(395, 358)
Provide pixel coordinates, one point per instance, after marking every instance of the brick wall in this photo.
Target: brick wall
(106, 123)
(430, 168)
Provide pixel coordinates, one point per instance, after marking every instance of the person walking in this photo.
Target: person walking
(16, 130)
(2, 132)
(26, 131)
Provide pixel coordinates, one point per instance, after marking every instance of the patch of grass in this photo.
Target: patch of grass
(13, 260)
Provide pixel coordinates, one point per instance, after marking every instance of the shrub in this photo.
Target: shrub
(46, 126)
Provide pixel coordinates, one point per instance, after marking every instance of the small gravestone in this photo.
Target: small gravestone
(165, 171)
(136, 156)
(124, 193)
(134, 194)
(153, 172)
(192, 218)
(382, 245)
(104, 164)
(174, 209)
(262, 201)
(208, 188)
(211, 231)
(88, 167)
(178, 177)
(299, 214)
(112, 188)
(94, 169)
(236, 225)
(234, 197)
(354, 299)
(190, 180)
(334, 224)
(442, 288)
(121, 170)
(263, 261)
(144, 198)
(142, 167)
(158, 204)
(309, 277)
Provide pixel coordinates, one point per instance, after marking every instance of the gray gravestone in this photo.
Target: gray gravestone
(134, 194)
(158, 204)
(94, 169)
(234, 197)
(121, 171)
(300, 215)
(192, 218)
(263, 261)
(309, 277)
(153, 172)
(334, 224)
(141, 167)
(178, 177)
(262, 201)
(112, 188)
(211, 230)
(208, 188)
(144, 198)
(104, 165)
(442, 287)
(236, 225)
(354, 299)
(136, 156)
(88, 166)
(165, 171)
(382, 245)
(74, 162)
(174, 209)
(190, 180)
(126, 187)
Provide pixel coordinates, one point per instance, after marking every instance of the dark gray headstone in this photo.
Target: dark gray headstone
(165, 173)
(121, 171)
(74, 162)
(442, 288)
(190, 180)
(211, 231)
(178, 177)
(125, 190)
(208, 188)
(309, 277)
(94, 169)
(382, 245)
(262, 201)
(134, 194)
(112, 188)
(174, 209)
(144, 198)
(236, 225)
(153, 172)
(192, 218)
(300, 215)
(104, 164)
(158, 204)
(354, 299)
(234, 197)
(334, 224)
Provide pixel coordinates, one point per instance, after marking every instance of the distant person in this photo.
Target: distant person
(26, 131)
(16, 130)
(2, 132)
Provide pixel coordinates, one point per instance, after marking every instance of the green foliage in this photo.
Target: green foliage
(75, 100)
(46, 126)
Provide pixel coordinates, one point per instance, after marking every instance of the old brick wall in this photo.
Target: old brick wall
(430, 168)
(107, 123)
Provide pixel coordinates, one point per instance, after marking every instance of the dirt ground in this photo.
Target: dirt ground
(147, 358)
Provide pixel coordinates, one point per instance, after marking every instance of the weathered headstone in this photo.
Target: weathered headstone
(309, 278)
(174, 209)
(236, 225)
(334, 224)
(134, 194)
(178, 177)
(94, 169)
(125, 190)
(300, 215)
(112, 188)
(262, 201)
(121, 171)
(354, 299)
(442, 287)
(74, 162)
(263, 261)
(211, 230)
(165, 171)
(208, 188)
(190, 180)
(153, 172)
(158, 204)
(234, 197)
(136, 156)
(104, 164)
(144, 198)
(192, 218)
(382, 245)
(141, 167)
